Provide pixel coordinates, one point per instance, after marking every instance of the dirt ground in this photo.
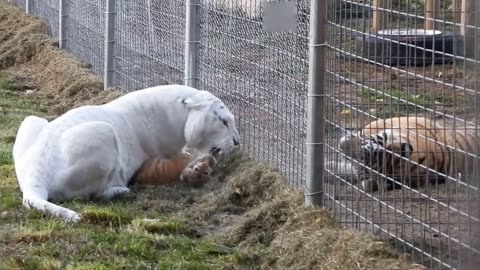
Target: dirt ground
(247, 205)
(441, 220)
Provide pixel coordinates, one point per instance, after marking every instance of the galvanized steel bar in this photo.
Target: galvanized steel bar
(315, 110)
(109, 71)
(62, 17)
(192, 41)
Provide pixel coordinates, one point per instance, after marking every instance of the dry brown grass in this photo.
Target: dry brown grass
(257, 211)
(32, 56)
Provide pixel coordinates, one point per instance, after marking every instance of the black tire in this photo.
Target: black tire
(347, 10)
(396, 48)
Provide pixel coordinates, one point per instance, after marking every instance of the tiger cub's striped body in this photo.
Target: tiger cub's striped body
(161, 171)
(408, 147)
(183, 168)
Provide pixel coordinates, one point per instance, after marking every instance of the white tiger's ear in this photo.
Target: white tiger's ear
(406, 150)
(200, 100)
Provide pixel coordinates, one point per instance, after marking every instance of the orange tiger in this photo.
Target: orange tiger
(157, 171)
(198, 172)
(161, 171)
(412, 149)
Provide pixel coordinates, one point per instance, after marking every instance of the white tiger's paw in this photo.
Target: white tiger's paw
(73, 217)
(112, 192)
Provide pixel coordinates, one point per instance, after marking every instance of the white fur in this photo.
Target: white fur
(92, 151)
(343, 168)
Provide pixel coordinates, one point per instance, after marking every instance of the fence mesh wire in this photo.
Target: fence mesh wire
(85, 28)
(19, 3)
(149, 48)
(385, 60)
(48, 10)
(374, 72)
(262, 76)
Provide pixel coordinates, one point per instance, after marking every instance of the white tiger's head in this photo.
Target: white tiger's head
(210, 126)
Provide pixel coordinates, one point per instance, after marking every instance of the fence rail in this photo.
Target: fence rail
(383, 59)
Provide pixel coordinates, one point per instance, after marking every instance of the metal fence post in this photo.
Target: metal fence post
(62, 16)
(192, 41)
(109, 64)
(28, 6)
(316, 100)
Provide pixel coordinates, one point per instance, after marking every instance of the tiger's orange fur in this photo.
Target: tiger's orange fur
(198, 172)
(194, 172)
(161, 171)
(427, 142)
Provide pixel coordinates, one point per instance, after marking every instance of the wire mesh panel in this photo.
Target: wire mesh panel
(48, 10)
(20, 3)
(85, 26)
(401, 128)
(149, 49)
(262, 76)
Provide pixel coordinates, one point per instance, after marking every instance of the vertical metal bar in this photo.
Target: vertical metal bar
(192, 41)
(62, 17)
(377, 17)
(28, 6)
(109, 71)
(432, 12)
(467, 18)
(316, 101)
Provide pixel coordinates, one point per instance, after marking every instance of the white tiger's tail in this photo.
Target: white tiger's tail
(37, 198)
(52, 209)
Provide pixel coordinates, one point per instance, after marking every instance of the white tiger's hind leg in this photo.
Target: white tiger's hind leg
(90, 155)
(27, 133)
(93, 162)
(35, 195)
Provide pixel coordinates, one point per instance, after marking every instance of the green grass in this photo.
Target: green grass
(112, 235)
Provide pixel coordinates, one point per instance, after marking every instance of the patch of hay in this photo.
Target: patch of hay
(311, 239)
(248, 205)
(106, 216)
(31, 236)
(31, 55)
(163, 227)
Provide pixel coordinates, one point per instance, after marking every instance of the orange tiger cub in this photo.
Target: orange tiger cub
(198, 171)
(161, 171)
(182, 168)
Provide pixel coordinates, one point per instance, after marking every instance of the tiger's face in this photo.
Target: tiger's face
(210, 126)
(386, 152)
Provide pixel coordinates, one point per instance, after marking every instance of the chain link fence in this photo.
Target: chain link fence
(262, 76)
(48, 10)
(85, 29)
(149, 43)
(414, 185)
